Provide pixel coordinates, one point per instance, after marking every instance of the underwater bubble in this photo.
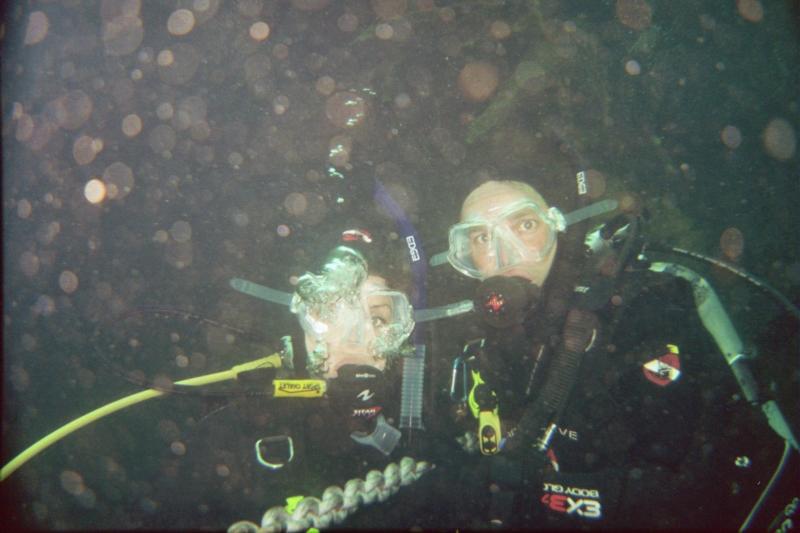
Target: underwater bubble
(283, 230)
(478, 81)
(731, 137)
(94, 191)
(122, 35)
(731, 243)
(68, 281)
(632, 67)
(259, 31)
(750, 10)
(72, 482)
(500, 30)
(635, 14)
(180, 22)
(347, 22)
(779, 139)
(181, 231)
(339, 149)
(346, 109)
(38, 25)
(181, 361)
(24, 208)
(131, 125)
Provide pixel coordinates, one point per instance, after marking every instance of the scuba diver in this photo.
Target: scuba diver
(596, 395)
(327, 419)
(599, 396)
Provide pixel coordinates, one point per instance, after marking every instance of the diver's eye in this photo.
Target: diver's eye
(378, 322)
(529, 224)
(480, 238)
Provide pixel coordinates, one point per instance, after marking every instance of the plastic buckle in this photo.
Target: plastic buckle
(267, 446)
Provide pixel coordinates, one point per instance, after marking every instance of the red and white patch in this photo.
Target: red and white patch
(663, 370)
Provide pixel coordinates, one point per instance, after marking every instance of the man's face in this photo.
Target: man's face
(509, 235)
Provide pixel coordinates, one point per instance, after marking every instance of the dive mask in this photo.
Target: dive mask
(341, 308)
(521, 232)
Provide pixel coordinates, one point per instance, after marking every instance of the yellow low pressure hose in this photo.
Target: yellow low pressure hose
(273, 360)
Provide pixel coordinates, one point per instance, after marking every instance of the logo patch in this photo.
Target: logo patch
(665, 369)
(365, 395)
(575, 501)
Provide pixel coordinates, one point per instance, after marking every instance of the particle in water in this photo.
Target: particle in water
(325, 85)
(750, 10)
(72, 482)
(731, 137)
(131, 125)
(38, 25)
(346, 109)
(296, 203)
(500, 30)
(635, 14)
(181, 231)
(180, 22)
(632, 67)
(177, 447)
(68, 281)
(259, 31)
(24, 208)
(779, 139)
(347, 22)
(283, 230)
(402, 101)
(384, 31)
(732, 244)
(478, 81)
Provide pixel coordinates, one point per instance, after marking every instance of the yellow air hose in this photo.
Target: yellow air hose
(273, 360)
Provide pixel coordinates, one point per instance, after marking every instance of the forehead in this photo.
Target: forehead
(492, 197)
(375, 283)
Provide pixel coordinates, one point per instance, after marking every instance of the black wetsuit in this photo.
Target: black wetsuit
(635, 447)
